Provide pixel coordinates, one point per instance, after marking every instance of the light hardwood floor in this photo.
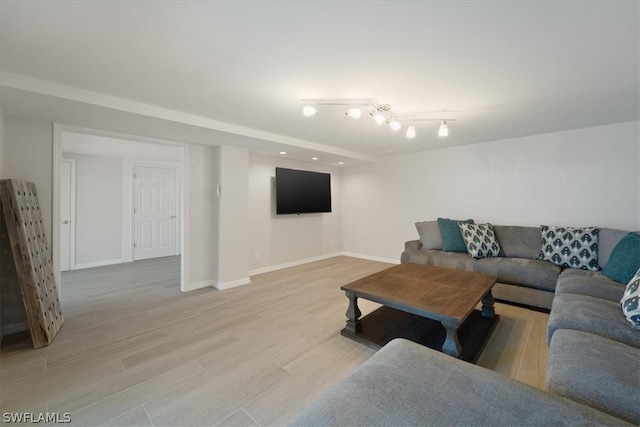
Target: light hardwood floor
(134, 350)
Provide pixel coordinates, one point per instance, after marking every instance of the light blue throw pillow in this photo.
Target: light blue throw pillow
(624, 260)
(451, 237)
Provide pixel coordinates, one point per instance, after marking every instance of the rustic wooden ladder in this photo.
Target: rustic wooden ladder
(30, 250)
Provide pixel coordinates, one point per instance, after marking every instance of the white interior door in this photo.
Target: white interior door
(67, 196)
(155, 218)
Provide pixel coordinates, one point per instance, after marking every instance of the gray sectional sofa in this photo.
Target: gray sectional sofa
(522, 277)
(406, 384)
(593, 372)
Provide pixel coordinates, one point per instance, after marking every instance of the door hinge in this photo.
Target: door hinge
(134, 245)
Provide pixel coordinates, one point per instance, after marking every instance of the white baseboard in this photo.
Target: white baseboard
(371, 258)
(97, 264)
(233, 284)
(292, 264)
(14, 328)
(199, 285)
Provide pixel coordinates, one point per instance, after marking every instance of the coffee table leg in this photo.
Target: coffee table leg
(353, 314)
(487, 305)
(451, 344)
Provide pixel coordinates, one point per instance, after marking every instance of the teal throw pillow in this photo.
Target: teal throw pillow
(451, 237)
(624, 260)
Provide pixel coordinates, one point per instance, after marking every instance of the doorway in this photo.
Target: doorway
(103, 216)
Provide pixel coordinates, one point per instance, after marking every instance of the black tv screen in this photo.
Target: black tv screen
(302, 191)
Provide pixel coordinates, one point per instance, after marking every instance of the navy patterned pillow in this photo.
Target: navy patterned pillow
(570, 247)
(630, 301)
(480, 240)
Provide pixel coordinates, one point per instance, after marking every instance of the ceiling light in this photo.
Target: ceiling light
(309, 110)
(283, 152)
(381, 113)
(394, 124)
(354, 112)
(444, 130)
(314, 158)
(341, 163)
(377, 117)
(411, 131)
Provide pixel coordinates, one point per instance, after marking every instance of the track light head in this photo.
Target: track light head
(394, 124)
(444, 130)
(377, 117)
(411, 131)
(354, 112)
(309, 110)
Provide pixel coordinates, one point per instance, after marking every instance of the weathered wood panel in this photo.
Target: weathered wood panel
(31, 257)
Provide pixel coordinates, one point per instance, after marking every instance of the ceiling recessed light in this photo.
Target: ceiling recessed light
(341, 163)
(283, 152)
(314, 158)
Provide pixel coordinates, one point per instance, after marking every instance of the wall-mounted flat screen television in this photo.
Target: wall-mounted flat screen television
(300, 192)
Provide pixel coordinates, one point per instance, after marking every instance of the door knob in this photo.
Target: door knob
(65, 221)
(173, 216)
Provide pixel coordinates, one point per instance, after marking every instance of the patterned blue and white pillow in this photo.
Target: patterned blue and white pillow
(570, 247)
(630, 301)
(480, 240)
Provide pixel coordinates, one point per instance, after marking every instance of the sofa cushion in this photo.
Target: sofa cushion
(630, 301)
(624, 259)
(594, 315)
(607, 241)
(406, 384)
(480, 240)
(595, 371)
(570, 247)
(451, 237)
(453, 260)
(519, 242)
(591, 283)
(532, 273)
(429, 232)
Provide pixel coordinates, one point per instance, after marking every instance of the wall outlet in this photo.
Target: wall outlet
(333, 243)
(257, 257)
(195, 213)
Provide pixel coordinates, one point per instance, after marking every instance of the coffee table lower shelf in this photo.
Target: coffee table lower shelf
(386, 323)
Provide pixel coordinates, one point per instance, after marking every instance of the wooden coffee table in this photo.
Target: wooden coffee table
(433, 306)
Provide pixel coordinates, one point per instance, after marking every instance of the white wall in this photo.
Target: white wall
(576, 178)
(29, 157)
(202, 214)
(233, 221)
(98, 210)
(277, 240)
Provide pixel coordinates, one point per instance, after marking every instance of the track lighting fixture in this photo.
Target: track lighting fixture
(381, 113)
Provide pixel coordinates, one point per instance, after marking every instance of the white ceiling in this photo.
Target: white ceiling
(209, 71)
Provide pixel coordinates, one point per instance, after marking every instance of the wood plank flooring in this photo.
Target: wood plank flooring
(136, 351)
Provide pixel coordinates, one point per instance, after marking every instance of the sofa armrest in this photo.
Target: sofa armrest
(412, 245)
(411, 385)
